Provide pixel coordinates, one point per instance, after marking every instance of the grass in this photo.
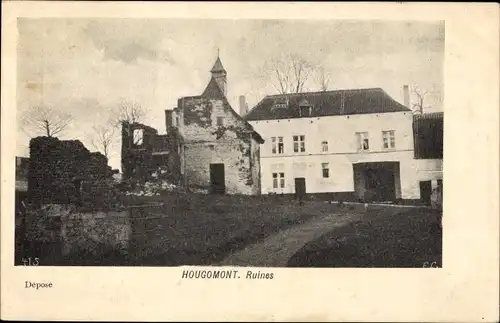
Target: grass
(203, 229)
(407, 239)
(195, 229)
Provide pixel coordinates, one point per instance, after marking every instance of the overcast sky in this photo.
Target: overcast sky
(87, 66)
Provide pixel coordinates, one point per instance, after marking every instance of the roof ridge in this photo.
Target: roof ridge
(324, 92)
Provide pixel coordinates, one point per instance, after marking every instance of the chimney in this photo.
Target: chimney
(243, 106)
(406, 96)
(168, 119)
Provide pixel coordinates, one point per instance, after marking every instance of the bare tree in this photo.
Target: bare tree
(289, 73)
(128, 111)
(45, 120)
(322, 79)
(103, 138)
(419, 95)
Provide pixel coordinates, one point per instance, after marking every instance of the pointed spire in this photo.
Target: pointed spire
(218, 65)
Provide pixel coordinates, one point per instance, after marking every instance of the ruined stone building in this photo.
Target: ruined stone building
(208, 145)
(145, 152)
(64, 171)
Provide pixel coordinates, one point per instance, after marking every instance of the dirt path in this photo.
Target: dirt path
(276, 250)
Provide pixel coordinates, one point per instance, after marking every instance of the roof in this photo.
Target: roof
(217, 66)
(213, 91)
(326, 103)
(428, 135)
(438, 116)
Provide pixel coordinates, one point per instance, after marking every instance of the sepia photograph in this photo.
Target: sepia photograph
(171, 142)
(249, 161)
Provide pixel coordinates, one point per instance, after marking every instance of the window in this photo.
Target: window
(324, 146)
(277, 145)
(279, 179)
(305, 111)
(280, 145)
(325, 170)
(363, 142)
(280, 103)
(138, 136)
(220, 121)
(389, 139)
(299, 144)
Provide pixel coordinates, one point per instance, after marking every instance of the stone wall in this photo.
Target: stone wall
(95, 234)
(65, 234)
(136, 157)
(255, 167)
(58, 169)
(155, 152)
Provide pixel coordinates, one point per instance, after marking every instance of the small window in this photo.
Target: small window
(363, 141)
(305, 111)
(389, 139)
(220, 121)
(273, 145)
(325, 170)
(324, 146)
(279, 180)
(279, 104)
(281, 147)
(299, 144)
(138, 136)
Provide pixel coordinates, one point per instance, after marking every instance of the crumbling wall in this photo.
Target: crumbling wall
(58, 169)
(255, 160)
(208, 142)
(95, 234)
(167, 157)
(154, 153)
(60, 233)
(42, 234)
(136, 157)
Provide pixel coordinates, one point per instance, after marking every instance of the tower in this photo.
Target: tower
(220, 75)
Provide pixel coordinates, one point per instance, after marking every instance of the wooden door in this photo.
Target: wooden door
(300, 187)
(217, 179)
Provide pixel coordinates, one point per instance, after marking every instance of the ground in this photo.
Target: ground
(205, 229)
(276, 231)
(272, 231)
(410, 238)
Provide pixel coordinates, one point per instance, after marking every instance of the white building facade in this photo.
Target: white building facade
(357, 144)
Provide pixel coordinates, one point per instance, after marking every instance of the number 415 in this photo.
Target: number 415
(31, 261)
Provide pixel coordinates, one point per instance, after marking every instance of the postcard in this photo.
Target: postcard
(250, 161)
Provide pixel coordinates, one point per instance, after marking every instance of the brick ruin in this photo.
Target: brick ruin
(146, 153)
(65, 172)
